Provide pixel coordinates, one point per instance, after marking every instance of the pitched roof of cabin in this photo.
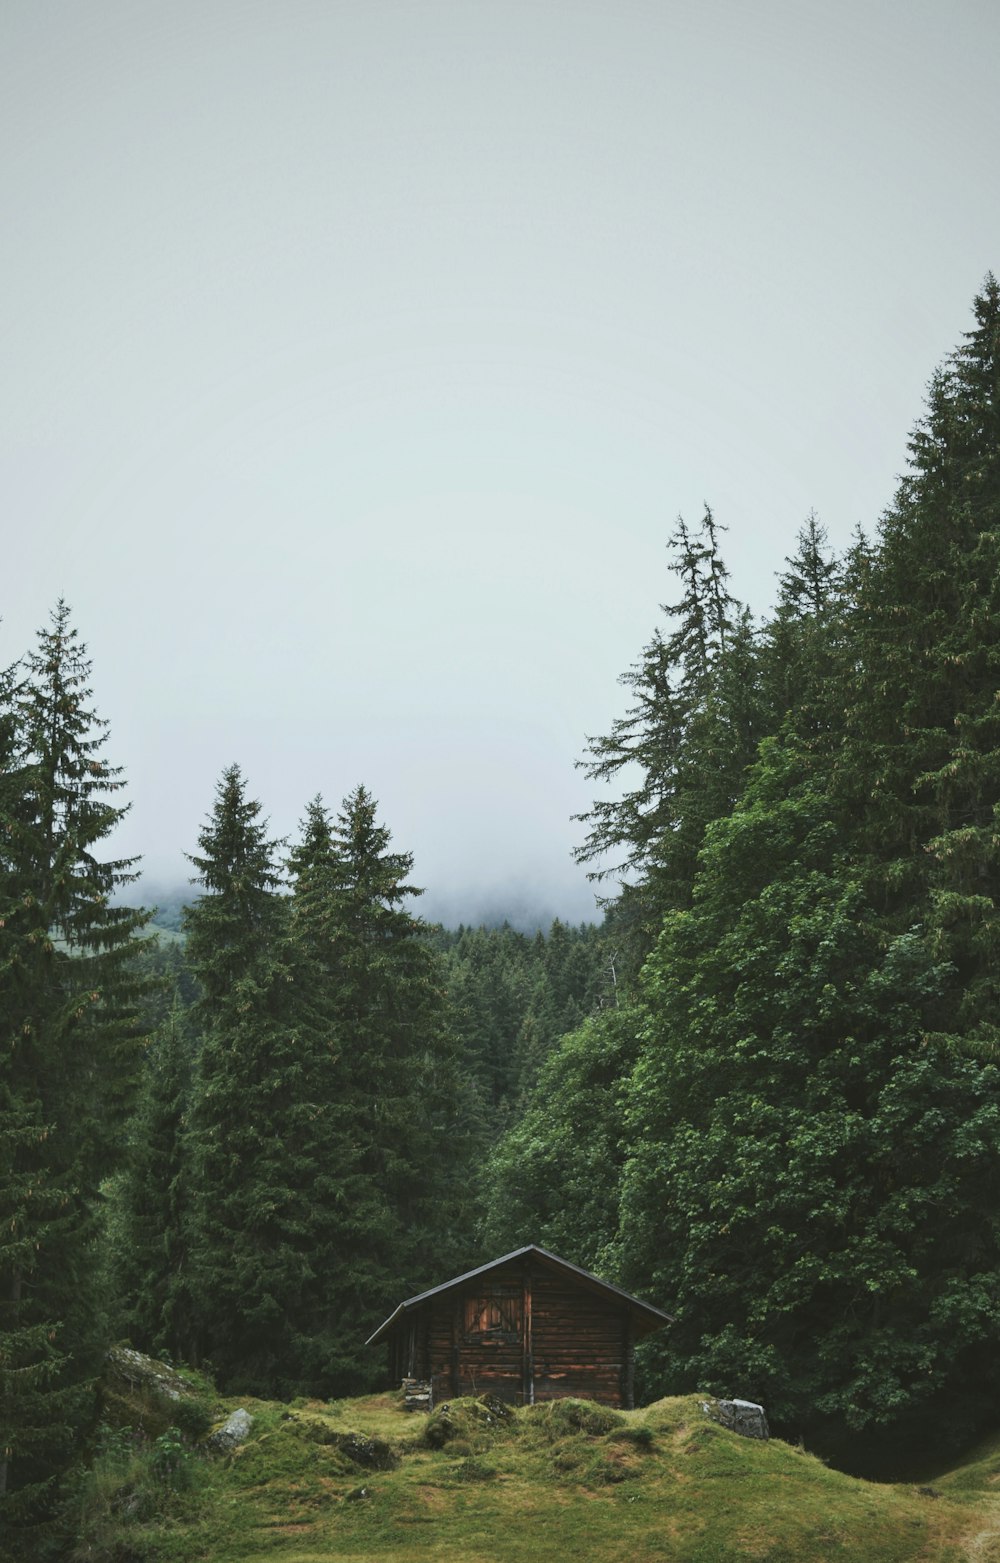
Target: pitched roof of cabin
(650, 1316)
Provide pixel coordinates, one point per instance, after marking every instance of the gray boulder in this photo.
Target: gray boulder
(745, 1417)
(235, 1430)
(127, 1368)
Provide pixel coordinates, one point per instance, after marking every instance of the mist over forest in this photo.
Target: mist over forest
(525, 909)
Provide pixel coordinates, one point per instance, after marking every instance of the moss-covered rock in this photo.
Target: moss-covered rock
(374, 1454)
(475, 1423)
(312, 1429)
(127, 1368)
(561, 1417)
(148, 1396)
(235, 1430)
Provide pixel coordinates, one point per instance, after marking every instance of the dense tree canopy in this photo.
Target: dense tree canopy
(811, 1180)
(809, 1156)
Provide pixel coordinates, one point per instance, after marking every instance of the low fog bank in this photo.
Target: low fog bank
(526, 908)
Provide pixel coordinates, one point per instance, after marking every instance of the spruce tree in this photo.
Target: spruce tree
(256, 1141)
(813, 1175)
(37, 1407)
(921, 760)
(405, 1100)
(691, 730)
(150, 1230)
(803, 645)
(354, 1226)
(70, 1051)
(233, 928)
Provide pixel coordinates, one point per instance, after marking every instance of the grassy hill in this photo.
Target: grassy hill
(364, 1481)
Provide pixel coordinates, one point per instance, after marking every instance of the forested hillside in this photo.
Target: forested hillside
(764, 1092)
(801, 1114)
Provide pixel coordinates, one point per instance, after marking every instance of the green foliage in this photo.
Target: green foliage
(316, 1167)
(233, 926)
(149, 1224)
(260, 1112)
(691, 731)
(404, 1136)
(922, 740)
(132, 1486)
(554, 1177)
(193, 1418)
(170, 1460)
(810, 1126)
(802, 644)
(70, 1044)
(513, 997)
(812, 1182)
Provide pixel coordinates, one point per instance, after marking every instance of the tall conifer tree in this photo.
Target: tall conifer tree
(252, 1175)
(70, 1053)
(922, 753)
(691, 730)
(803, 644)
(404, 1092)
(151, 1224)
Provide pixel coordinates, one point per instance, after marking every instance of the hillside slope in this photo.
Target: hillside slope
(363, 1481)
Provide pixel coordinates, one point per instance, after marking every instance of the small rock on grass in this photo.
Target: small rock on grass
(235, 1430)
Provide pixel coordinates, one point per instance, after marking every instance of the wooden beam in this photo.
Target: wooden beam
(528, 1357)
(456, 1337)
(628, 1365)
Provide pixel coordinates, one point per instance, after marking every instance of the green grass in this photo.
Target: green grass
(547, 1484)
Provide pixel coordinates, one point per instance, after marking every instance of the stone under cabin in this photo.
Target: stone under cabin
(526, 1327)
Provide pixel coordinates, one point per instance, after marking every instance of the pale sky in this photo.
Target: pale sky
(360, 356)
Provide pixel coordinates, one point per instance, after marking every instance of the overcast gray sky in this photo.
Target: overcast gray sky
(360, 356)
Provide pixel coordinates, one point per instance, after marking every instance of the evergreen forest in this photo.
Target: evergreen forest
(762, 1092)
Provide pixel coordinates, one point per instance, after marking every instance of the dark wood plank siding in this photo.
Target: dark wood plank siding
(562, 1340)
(437, 1365)
(579, 1342)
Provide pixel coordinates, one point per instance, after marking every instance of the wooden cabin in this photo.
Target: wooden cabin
(526, 1327)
